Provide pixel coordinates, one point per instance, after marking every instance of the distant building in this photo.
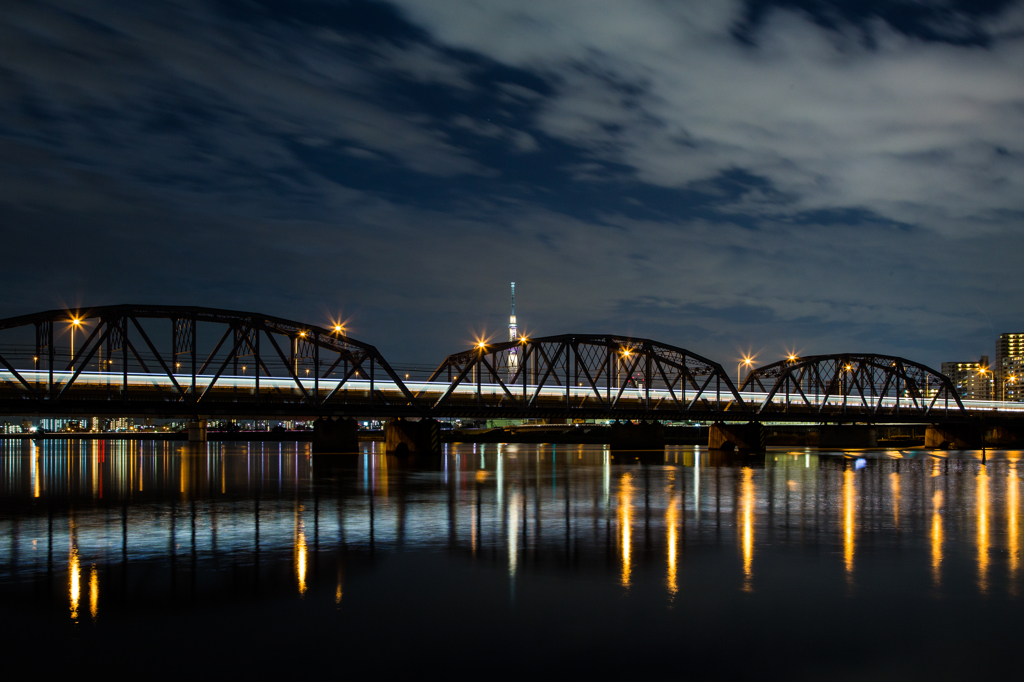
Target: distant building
(122, 424)
(973, 380)
(1009, 367)
(53, 425)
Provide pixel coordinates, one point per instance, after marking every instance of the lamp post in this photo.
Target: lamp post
(75, 322)
(478, 377)
(746, 361)
(295, 354)
(1006, 381)
(983, 371)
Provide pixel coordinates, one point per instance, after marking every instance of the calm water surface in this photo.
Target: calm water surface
(510, 561)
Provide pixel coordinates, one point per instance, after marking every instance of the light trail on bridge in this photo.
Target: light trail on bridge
(431, 390)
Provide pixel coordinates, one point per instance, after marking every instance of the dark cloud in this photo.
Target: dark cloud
(790, 174)
(960, 22)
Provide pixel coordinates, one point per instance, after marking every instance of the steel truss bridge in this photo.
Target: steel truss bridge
(170, 361)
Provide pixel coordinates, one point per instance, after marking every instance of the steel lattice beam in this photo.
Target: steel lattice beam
(854, 383)
(603, 374)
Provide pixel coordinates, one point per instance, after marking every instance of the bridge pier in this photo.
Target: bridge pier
(749, 437)
(642, 436)
(953, 436)
(335, 435)
(197, 431)
(403, 437)
(1005, 436)
(847, 436)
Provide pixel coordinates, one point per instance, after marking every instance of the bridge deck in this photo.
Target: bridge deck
(100, 393)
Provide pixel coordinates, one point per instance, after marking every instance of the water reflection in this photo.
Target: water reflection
(94, 592)
(747, 524)
(1012, 527)
(849, 519)
(672, 528)
(74, 575)
(937, 538)
(626, 525)
(300, 550)
(179, 520)
(894, 486)
(982, 516)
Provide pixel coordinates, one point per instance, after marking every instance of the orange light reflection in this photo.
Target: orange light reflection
(983, 538)
(1013, 529)
(94, 592)
(74, 589)
(625, 522)
(894, 484)
(849, 520)
(300, 550)
(937, 538)
(747, 525)
(672, 524)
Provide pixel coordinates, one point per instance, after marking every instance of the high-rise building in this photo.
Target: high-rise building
(1009, 367)
(122, 424)
(973, 380)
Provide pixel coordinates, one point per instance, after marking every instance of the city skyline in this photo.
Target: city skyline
(773, 177)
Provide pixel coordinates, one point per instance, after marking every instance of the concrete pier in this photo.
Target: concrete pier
(403, 437)
(335, 435)
(642, 436)
(197, 431)
(953, 436)
(749, 437)
(847, 436)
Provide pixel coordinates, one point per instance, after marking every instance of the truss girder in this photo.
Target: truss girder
(586, 373)
(176, 360)
(872, 385)
(112, 343)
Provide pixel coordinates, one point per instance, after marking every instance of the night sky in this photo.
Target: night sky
(723, 176)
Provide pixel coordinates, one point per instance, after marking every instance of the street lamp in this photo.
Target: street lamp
(983, 371)
(746, 361)
(1006, 381)
(75, 322)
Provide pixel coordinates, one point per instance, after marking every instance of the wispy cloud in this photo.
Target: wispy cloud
(918, 131)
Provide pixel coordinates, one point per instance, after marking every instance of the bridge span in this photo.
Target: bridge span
(173, 361)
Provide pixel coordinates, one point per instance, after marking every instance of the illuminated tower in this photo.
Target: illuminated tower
(513, 336)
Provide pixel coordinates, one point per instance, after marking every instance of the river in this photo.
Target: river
(510, 561)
